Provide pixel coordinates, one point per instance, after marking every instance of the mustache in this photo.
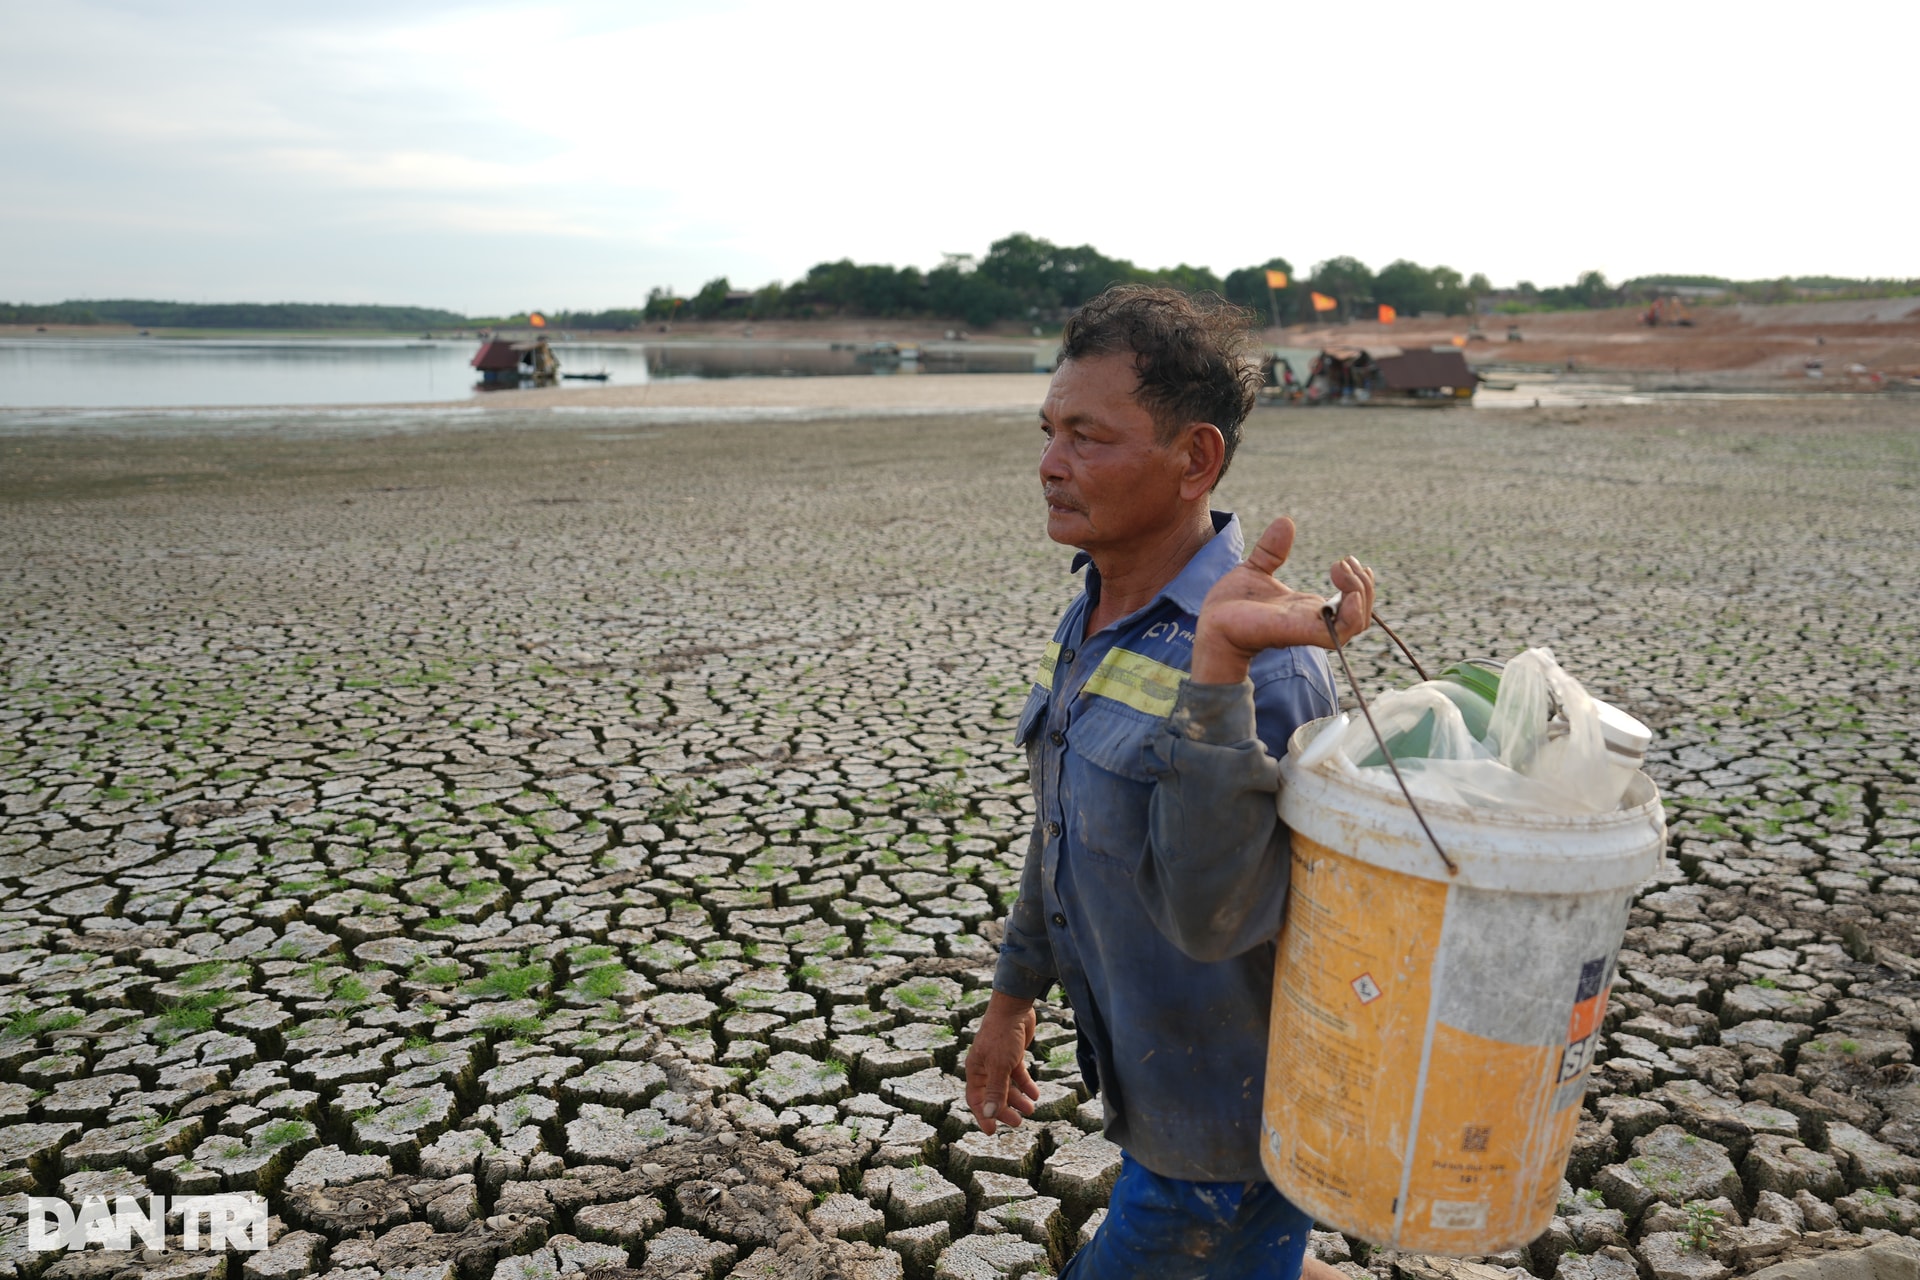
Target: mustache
(1059, 498)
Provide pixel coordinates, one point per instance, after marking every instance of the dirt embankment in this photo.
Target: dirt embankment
(1858, 343)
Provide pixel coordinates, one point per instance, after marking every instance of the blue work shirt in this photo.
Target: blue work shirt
(1158, 867)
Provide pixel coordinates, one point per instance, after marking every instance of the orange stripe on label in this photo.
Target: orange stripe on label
(1586, 1017)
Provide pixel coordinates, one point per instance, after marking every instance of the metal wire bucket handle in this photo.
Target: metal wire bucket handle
(1328, 612)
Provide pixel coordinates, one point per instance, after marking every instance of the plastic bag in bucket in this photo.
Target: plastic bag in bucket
(1527, 758)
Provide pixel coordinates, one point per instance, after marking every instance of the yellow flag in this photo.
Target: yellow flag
(537, 320)
(1276, 279)
(1321, 302)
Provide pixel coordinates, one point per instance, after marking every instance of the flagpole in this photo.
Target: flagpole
(1276, 281)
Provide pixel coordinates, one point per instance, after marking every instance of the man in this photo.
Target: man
(1157, 869)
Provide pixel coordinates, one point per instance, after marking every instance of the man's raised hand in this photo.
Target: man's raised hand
(1249, 611)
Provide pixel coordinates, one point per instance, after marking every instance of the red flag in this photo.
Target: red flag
(1387, 314)
(1321, 302)
(537, 320)
(1276, 279)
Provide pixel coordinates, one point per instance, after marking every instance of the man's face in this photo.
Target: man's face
(1109, 482)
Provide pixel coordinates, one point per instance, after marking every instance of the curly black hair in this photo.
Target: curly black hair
(1193, 352)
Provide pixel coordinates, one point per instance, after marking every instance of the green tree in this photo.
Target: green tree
(661, 304)
(613, 318)
(1591, 290)
(1407, 287)
(957, 289)
(1346, 279)
(848, 288)
(1186, 279)
(1594, 291)
(1023, 265)
(1247, 287)
(1040, 277)
(712, 298)
(769, 300)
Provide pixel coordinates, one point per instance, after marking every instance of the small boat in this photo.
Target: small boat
(601, 376)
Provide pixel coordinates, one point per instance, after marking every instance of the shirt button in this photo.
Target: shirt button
(1059, 919)
(1053, 829)
(1056, 737)
(1067, 657)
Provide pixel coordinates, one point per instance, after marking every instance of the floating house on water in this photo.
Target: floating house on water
(507, 364)
(1389, 375)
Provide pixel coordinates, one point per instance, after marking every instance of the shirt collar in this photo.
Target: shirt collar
(1209, 564)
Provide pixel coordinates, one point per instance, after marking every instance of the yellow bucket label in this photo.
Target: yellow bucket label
(1429, 1046)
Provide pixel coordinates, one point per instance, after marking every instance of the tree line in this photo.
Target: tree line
(1592, 290)
(1026, 278)
(231, 315)
(1020, 278)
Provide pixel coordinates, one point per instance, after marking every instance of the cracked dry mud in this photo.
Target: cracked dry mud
(580, 848)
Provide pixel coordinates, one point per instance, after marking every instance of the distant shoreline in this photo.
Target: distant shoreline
(1851, 345)
(830, 330)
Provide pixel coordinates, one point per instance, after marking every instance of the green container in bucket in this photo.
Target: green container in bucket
(1432, 1030)
(1475, 707)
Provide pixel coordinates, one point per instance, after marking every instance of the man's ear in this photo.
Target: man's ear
(1206, 454)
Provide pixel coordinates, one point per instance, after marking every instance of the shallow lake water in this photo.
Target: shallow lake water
(101, 381)
(108, 373)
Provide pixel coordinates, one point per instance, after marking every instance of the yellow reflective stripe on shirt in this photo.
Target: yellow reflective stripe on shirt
(1136, 681)
(1044, 676)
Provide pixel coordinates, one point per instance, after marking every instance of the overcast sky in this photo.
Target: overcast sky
(489, 158)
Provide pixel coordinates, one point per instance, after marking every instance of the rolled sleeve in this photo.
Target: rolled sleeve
(1215, 871)
(1218, 714)
(1026, 968)
(1213, 876)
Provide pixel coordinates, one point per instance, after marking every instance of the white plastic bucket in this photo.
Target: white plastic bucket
(1432, 1032)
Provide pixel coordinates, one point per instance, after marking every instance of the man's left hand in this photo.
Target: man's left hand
(1249, 611)
(999, 1089)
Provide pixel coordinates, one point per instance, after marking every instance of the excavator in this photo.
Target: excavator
(1667, 311)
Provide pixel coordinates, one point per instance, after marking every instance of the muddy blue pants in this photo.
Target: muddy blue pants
(1165, 1229)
